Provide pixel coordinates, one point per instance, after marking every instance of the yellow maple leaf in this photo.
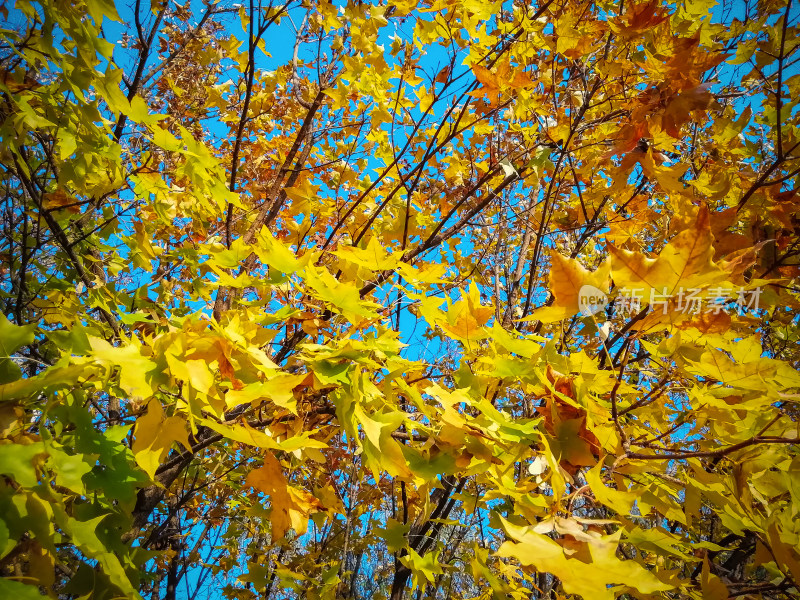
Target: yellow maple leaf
(344, 298)
(278, 389)
(567, 278)
(466, 318)
(621, 501)
(382, 452)
(279, 255)
(137, 372)
(374, 256)
(686, 262)
(302, 194)
(154, 436)
(291, 506)
(586, 568)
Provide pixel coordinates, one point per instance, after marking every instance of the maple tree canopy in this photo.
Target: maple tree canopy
(451, 299)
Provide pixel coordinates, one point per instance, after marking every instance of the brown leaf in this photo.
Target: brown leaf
(60, 199)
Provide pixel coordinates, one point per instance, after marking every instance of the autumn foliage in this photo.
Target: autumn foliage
(449, 299)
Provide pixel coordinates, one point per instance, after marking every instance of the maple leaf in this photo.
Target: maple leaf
(464, 319)
(60, 199)
(137, 373)
(279, 389)
(426, 566)
(678, 110)
(490, 84)
(493, 84)
(588, 569)
(565, 421)
(291, 506)
(567, 281)
(303, 194)
(373, 256)
(12, 338)
(686, 262)
(154, 436)
(640, 17)
(619, 500)
(344, 298)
